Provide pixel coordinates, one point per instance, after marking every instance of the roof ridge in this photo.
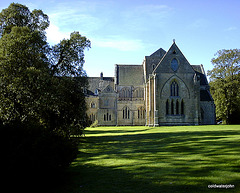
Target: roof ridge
(129, 64)
(160, 61)
(159, 50)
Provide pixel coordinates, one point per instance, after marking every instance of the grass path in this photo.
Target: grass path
(162, 159)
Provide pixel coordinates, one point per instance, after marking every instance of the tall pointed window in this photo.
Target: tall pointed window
(177, 107)
(182, 107)
(126, 113)
(93, 105)
(174, 89)
(174, 64)
(92, 117)
(172, 107)
(167, 107)
(202, 115)
(125, 93)
(107, 117)
(141, 113)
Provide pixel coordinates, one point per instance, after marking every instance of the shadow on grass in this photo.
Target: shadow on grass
(156, 162)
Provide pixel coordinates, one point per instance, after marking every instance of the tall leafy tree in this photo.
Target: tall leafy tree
(40, 83)
(19, 15)
(225, 84)
(67, 57)
(24, 72)
(41, 93)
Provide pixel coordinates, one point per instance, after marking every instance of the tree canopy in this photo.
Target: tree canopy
(225, 84)
(42, 103)
(20, 16)
(40, 83)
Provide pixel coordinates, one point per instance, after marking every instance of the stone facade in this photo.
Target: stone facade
(164, 90)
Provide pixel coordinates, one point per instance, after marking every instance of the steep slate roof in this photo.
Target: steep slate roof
(159, 53)
(203, 79)
(205, 95)
(151, 60)
(163, 65)
(127, 75)
(200, 71)
(99, 83)
(197, 68)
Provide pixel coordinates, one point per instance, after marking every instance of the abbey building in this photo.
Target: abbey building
(164, 90)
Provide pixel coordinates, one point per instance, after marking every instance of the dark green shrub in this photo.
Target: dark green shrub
(26, 148)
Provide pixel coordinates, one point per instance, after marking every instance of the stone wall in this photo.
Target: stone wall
(92, 107)
(208, 116)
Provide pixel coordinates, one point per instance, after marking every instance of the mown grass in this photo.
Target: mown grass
(161, 159)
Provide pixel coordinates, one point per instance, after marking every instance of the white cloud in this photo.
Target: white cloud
(54, 35)
(153, 10)
(231, 28)
(80, 16)
(145, 17)
(118, 43)
(199, 23)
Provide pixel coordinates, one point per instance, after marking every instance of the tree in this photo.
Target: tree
(67, 57)
(24, 69)
(40, 83)
(225, 84)
(19, 15)
(41, 90)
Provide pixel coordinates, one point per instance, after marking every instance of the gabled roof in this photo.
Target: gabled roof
(108, 89)
(169, 55)
(127, 75)
(159, 53)
(198, 68)
(200, 71)
(99, 83)
(203, 78)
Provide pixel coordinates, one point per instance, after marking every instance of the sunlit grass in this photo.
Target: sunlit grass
(160, 159)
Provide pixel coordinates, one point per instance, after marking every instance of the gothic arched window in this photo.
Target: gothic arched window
(202, 114)
(92, 117)
(177, 108)
(141, 113)
(174, 64)
(172, 107)
(138, 93)
(125, 93)
(167, 107)
(182, 107)
(153, 66)
(107, 117)
(93, 105)
(126, 113)
(174, 89)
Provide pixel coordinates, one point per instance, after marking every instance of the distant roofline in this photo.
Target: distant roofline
(160, 49)
(200, 66)
(128, 64)
(100, 77)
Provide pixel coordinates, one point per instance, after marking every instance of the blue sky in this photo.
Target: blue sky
(123, 32)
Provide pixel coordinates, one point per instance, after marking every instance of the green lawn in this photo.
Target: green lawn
(161, 159)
